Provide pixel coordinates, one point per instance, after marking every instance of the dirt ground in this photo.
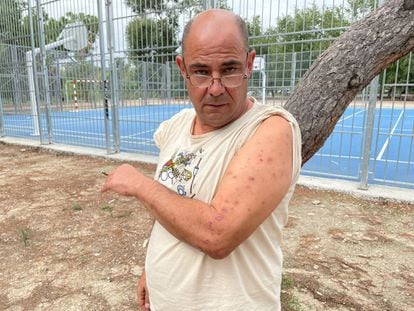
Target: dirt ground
(64, 246)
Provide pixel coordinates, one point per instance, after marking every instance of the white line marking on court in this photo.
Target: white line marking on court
(137, 134)
(345, 157)
(99, 138)
(352, 115)
(143, 143)
(328, 155)
(68, 132)
(384, 147)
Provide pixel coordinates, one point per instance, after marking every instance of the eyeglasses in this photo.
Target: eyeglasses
(226, 80)
(233, 80)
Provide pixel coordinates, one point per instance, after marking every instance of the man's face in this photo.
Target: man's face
(215, 48)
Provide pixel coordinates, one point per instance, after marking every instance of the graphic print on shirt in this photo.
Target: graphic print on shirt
(180, 171)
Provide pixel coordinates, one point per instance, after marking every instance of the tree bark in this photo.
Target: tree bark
(347, 67)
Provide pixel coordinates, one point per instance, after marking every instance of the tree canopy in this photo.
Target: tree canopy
(307, 33)
(153, 33)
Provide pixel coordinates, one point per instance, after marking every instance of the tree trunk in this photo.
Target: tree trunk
(347, 67)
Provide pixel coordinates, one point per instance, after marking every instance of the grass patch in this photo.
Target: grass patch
(76, 207)
(83, 259)
(288, 299)
(24, 236)
(107, 208)
(287, 282)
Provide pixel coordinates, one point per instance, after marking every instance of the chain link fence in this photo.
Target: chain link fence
(102, 74)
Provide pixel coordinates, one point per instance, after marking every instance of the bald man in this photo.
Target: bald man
(227, 170)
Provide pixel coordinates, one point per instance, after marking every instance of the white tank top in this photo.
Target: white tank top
(181, 277)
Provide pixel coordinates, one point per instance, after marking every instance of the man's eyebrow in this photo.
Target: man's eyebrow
(231, 63)
(198, 65)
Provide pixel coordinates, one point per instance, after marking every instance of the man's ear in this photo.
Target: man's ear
(250, 60)
(179, 60)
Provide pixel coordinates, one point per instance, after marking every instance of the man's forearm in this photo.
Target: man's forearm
(189, 220)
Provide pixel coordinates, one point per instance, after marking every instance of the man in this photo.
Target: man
(227, 169)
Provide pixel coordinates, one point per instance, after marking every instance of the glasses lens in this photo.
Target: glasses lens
(232, 80)
(200, 80)
(226, 81)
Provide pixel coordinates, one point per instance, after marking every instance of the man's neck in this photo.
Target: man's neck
(198, 128)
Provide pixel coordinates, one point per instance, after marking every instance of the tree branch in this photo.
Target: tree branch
(347, 67)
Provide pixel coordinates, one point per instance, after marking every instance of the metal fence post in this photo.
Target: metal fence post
(264, 81)
(168, 77)
(369, 129)
(59, 85)
(1, 118)
(293, 72)
(31, 66)
(105, 81)
(209, 4)
(114, 77)
(145, 82)
(17, 100)
(45, 71)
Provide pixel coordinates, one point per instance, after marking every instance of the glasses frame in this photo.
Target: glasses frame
(188, 77)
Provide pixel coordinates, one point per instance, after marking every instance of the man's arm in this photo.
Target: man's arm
(254, 183)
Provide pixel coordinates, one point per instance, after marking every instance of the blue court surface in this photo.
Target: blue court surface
(392, 150)
(391, 157)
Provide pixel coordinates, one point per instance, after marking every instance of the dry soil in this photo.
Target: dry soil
(64, 246)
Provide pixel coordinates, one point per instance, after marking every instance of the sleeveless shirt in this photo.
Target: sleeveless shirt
(181, 277)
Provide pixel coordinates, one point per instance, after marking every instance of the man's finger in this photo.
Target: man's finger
(147, 304)
(105, 186)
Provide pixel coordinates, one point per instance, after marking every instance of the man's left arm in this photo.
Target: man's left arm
(256, 180)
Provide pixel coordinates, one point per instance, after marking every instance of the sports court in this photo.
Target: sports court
(392, 150)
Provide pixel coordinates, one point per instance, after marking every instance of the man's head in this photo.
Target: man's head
(215, 50)
(238, 20)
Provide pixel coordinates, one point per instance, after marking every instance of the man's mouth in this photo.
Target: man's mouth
(215, 105)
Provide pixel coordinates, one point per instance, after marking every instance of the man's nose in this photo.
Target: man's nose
(216, 88)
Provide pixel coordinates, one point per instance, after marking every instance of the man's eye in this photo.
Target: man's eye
(230, 70)
(201, 72)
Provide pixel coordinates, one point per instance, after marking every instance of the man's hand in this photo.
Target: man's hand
(142, 293)
(124, 180)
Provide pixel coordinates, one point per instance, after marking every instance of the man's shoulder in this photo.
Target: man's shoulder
(272, 110)
(176, 122)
